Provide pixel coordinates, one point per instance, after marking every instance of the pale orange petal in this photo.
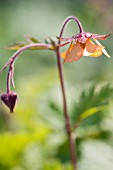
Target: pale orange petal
(92, 48)
(74, 52)
(63, 54)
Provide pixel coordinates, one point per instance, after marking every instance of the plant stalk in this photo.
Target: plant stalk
(69, 19)
(66, 115)
(70, 134)
(11, 61)
(8, 81)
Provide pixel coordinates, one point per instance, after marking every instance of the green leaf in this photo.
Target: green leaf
(91, 111)
(91, 101)
(16, 46)
(31, 39)
(55, 107)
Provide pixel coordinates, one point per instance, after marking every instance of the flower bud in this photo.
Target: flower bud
(9, 99)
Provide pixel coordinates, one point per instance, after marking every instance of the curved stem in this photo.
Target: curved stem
(16, 54)
(8, 80)
(67, 20)
(14, 57)
(66, 114)
(45, 46)
(10, 77)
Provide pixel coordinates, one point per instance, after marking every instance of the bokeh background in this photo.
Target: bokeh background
(34, 138)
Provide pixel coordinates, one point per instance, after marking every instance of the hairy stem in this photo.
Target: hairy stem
(66, 114)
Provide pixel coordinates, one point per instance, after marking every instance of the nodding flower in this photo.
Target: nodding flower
(82, 44)
(9, 99)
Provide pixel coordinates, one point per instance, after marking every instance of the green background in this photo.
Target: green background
(34, 138)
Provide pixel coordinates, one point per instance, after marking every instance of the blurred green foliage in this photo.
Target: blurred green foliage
(34, 138)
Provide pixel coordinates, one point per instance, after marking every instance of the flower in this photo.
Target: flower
(82, 45)
(9, 99)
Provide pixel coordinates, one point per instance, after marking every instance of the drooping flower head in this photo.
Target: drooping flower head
(82, 44)
(9, 99)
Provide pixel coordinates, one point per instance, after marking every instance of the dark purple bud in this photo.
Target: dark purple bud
(9, 99)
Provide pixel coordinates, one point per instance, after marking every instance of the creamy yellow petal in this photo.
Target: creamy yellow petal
(97, 42)
(96, 54)
(74, 52)
(103, 50)
(86, 53)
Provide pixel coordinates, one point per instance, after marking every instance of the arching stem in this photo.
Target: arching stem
(8, 80)
(69, 19)
(66, 114)
(11, 61)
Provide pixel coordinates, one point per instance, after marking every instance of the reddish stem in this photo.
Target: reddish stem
(66, 114)
(8, 80)
(69, 19)
(11, 61)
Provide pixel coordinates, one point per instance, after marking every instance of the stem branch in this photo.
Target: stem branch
(16, 54)
(11, 61)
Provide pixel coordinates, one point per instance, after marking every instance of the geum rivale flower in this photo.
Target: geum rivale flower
(82, 45)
